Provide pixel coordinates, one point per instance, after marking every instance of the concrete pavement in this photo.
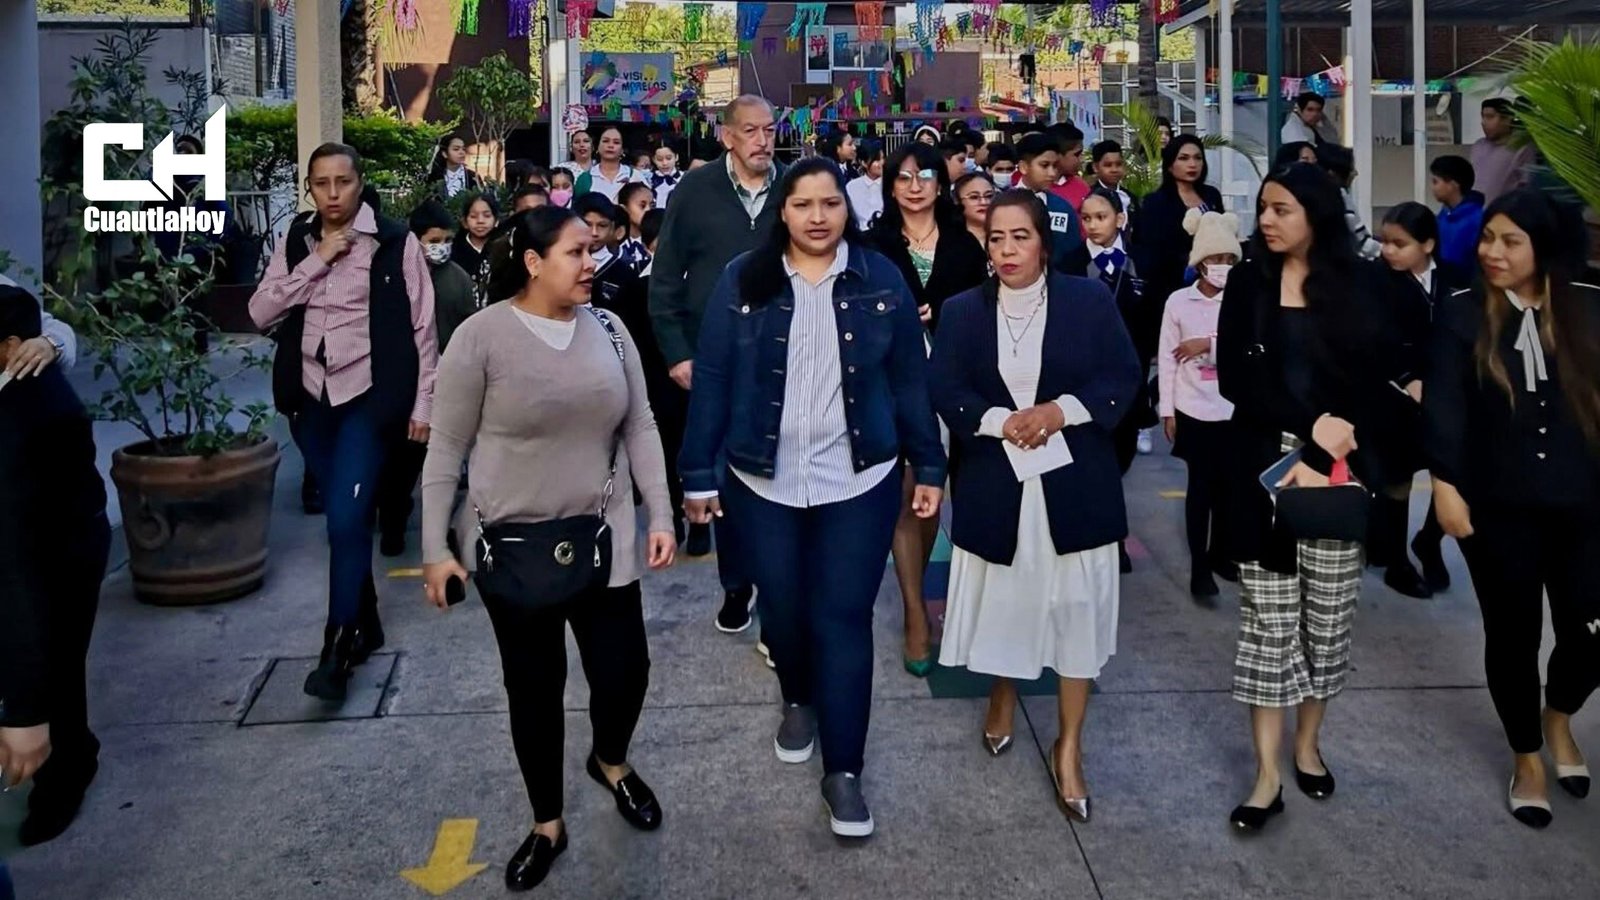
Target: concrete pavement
(215, 783)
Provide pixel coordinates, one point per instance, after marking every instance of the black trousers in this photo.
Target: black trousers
(402, 466)
(1203, 446)
(79, 567)
(608, 625)
(1516, 557)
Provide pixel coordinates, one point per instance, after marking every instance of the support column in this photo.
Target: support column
(319, 101)
(1359, 90)
(564, 87)
(1202, 123)
(22, 227)
(1274, 75)
(1225, 70)
(1419, 101)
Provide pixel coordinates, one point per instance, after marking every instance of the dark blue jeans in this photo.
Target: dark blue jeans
(817, 571)
(6, 891)
(344, 447)
(730, 563)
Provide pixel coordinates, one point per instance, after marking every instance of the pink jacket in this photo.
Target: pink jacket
(1192, 386)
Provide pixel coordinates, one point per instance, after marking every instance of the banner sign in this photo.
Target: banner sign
(628, 78)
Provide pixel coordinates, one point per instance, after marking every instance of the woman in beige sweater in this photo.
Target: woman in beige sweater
(535, 388)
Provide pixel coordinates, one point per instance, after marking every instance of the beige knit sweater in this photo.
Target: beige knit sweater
(539, 423)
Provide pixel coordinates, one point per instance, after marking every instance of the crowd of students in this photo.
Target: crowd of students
(798, 363)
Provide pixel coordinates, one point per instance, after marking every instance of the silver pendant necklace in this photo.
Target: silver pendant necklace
(1016, 336)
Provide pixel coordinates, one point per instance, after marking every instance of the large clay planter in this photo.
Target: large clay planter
(196, 526)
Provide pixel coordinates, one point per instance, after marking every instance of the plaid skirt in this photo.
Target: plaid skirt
(1294, 629)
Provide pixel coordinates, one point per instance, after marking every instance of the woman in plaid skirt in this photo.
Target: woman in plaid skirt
(1304, 344)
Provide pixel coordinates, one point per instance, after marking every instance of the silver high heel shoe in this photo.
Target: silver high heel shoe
(1075, 809)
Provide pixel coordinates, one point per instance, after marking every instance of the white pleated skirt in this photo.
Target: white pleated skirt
(1045, 610)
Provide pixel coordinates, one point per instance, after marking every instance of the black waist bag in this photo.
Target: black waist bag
(1337, 512)
(539, 564)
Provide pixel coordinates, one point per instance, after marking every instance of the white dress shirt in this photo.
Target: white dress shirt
(1096, 251)
(455, 180)
(866, 198)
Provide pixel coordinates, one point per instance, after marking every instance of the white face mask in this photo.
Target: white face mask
(1217, 275)
(436, 254)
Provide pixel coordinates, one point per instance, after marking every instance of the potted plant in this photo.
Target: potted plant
(196, 490)
(1559, 85)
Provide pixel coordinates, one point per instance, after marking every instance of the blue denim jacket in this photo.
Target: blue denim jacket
(736, 403)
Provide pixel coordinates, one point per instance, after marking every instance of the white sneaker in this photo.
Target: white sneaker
(1147, 441)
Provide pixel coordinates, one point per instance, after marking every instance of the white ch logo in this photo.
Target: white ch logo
(165, 163)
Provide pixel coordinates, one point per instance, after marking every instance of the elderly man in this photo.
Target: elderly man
(54, 539)
(731, 205)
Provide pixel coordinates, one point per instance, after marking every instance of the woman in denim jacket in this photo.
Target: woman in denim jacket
(810, 385)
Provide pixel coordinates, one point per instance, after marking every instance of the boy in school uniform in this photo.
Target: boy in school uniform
(1460, 214)
(1037, 155)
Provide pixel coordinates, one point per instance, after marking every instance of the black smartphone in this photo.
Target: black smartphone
(455, 591)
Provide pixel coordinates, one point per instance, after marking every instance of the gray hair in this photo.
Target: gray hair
(745, 101)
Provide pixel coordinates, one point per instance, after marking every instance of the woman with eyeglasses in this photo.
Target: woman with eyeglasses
(974, 193)
(922, 233)
(810, 384)
(1032, 372)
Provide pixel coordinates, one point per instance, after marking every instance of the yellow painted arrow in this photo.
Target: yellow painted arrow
(1165, 495)
(448, 868)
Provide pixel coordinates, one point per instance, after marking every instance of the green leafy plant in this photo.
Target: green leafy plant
(1143, 156)
(1559, 87)
(134, 310)
(491, 99)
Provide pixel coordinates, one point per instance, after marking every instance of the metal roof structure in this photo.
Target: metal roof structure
(1329, 13)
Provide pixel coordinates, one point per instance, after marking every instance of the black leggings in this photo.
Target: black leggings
(1203, 446)
(608, 625)
(1516, 556)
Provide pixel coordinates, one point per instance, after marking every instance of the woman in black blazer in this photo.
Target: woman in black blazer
(1161, 245)
(1032, 372)
(1305, 352)
(921, 232)
(1410, 241)
(1512, 428)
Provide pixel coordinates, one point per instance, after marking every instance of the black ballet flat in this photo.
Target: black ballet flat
(532, 861)
(1317, 787)
(635, 801)
(1254, 818)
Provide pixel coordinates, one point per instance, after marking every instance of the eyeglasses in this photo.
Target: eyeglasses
(925, 176)
(985, 196)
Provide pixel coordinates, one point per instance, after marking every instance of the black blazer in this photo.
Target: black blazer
(1088, 354)
(1529, 454)
(1162, 247)
(51, 503)
(1415, 312)
(1350, 373)
(959, 264)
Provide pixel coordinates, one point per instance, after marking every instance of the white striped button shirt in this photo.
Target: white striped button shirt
(813, 465)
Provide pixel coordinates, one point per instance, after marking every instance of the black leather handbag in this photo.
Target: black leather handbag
(1337, 512)
(540, 564)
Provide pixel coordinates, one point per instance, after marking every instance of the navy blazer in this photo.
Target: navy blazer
(736, 406)
(1088, 354)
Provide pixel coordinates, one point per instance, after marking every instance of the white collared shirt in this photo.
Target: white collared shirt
(600, 184)
(866, 198)
(1096, 251)
(455, 180)
(1426, 278)
(814, 463)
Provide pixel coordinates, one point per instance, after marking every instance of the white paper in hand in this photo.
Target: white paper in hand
(1053, 455)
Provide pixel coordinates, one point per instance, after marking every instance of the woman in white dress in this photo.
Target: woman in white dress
(1031, 372)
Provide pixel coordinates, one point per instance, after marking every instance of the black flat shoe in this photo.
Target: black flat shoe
(699, 541)
(635, 801)
(53, 806)
(1404, 580)
(532, 861)
(1254, 818)
(1317, 787)
(330, 679)
(1434, 572)
(1532, 812)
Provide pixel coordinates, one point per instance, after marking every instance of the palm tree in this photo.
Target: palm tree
(1559, 87)
(1149, 48)
(1143, 153)
(358, 39)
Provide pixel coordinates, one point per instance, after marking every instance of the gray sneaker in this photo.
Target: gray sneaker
(797, 736)
(847, 809)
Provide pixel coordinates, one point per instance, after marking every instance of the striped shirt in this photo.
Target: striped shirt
(814, 465)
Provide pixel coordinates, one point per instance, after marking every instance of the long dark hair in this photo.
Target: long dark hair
(534, 229)
(763, 276)
(890, 223)
(1570, 332)
(1331, 262)
(1169, 155)
(436, 171)
(1416, 220)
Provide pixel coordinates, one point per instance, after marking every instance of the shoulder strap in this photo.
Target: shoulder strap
(604, 318)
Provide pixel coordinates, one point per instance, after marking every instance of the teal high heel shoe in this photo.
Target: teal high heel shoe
(919, 667)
